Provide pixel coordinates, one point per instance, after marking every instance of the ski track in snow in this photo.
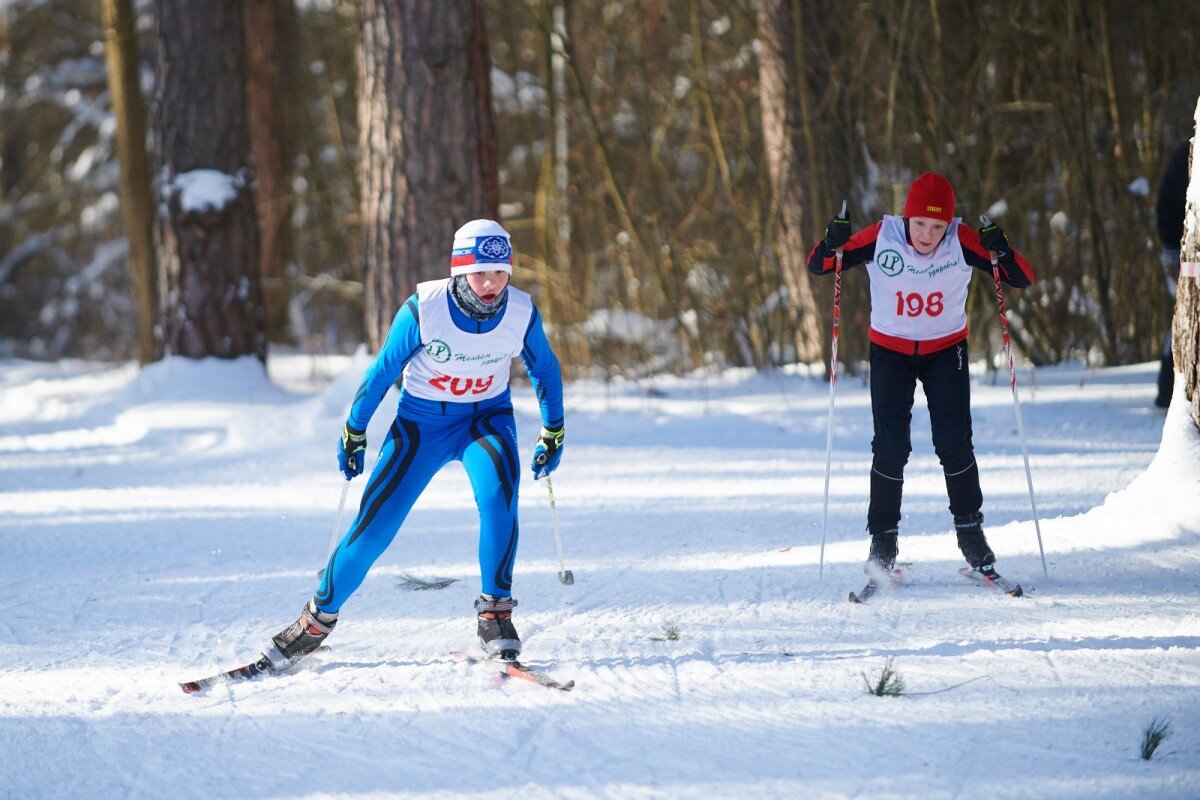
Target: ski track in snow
(160, 526)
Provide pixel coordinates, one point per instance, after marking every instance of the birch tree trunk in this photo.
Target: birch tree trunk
(1185, 328)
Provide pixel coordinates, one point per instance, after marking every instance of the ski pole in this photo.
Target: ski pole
(833, 356)
(565, 576)
(337, 526)
(1012, 379)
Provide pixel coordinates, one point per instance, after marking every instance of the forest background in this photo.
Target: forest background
(663, 166)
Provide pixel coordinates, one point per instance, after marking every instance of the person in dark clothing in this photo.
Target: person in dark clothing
(1168, 216)
(920, 266)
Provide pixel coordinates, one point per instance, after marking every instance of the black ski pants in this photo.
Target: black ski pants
(943, 376)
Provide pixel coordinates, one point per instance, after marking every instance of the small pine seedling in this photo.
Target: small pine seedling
(888, 684)
(1158, 731)
(670, 634)
(412, 583)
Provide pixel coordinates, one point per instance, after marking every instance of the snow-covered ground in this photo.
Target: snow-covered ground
(159, 526)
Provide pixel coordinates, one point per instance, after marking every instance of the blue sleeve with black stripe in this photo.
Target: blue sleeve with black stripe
(403, 342)
(544, 372)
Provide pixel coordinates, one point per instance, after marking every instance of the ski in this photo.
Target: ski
(994, 580)
(247, 672)
(867, 591)
(244, 673)
(515, 669)
(873, 586)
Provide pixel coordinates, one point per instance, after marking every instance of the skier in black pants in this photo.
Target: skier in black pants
(1168, 216)
(920, 266)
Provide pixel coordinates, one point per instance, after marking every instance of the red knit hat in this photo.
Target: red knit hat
(930, 195)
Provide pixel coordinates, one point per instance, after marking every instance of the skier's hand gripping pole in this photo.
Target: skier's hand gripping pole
(833, 357)
(547, 451)
(1012, 379)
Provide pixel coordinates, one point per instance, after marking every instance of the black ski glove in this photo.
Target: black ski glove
(837, 232)
(993, 238)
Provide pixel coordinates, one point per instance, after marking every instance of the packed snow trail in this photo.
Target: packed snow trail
(161, 526)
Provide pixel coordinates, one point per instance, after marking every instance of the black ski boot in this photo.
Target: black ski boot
(497, 636)
(882, 559)
(971, 541)
(300, 638)
(980, 557)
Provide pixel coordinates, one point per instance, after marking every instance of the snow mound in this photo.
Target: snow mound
(336, 400)
(1169, 489)
(179, 379)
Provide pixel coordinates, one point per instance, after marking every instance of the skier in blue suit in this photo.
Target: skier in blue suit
(452, 342)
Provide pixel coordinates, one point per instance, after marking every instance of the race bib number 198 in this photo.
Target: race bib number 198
(915, 304)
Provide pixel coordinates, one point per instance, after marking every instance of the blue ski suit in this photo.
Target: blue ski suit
(428, 434)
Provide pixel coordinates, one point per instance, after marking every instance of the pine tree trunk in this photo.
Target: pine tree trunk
(1185, 328)
(779, 87)
(270, 32)
(427, 151)
(129, 110)
(207, 238)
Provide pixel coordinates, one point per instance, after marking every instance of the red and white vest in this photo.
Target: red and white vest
(457, 366)
(914, 297)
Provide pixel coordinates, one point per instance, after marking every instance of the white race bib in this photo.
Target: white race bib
(918, 296)
(456, 366)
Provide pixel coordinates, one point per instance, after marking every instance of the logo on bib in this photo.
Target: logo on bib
(438, 350)
(890, 262)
